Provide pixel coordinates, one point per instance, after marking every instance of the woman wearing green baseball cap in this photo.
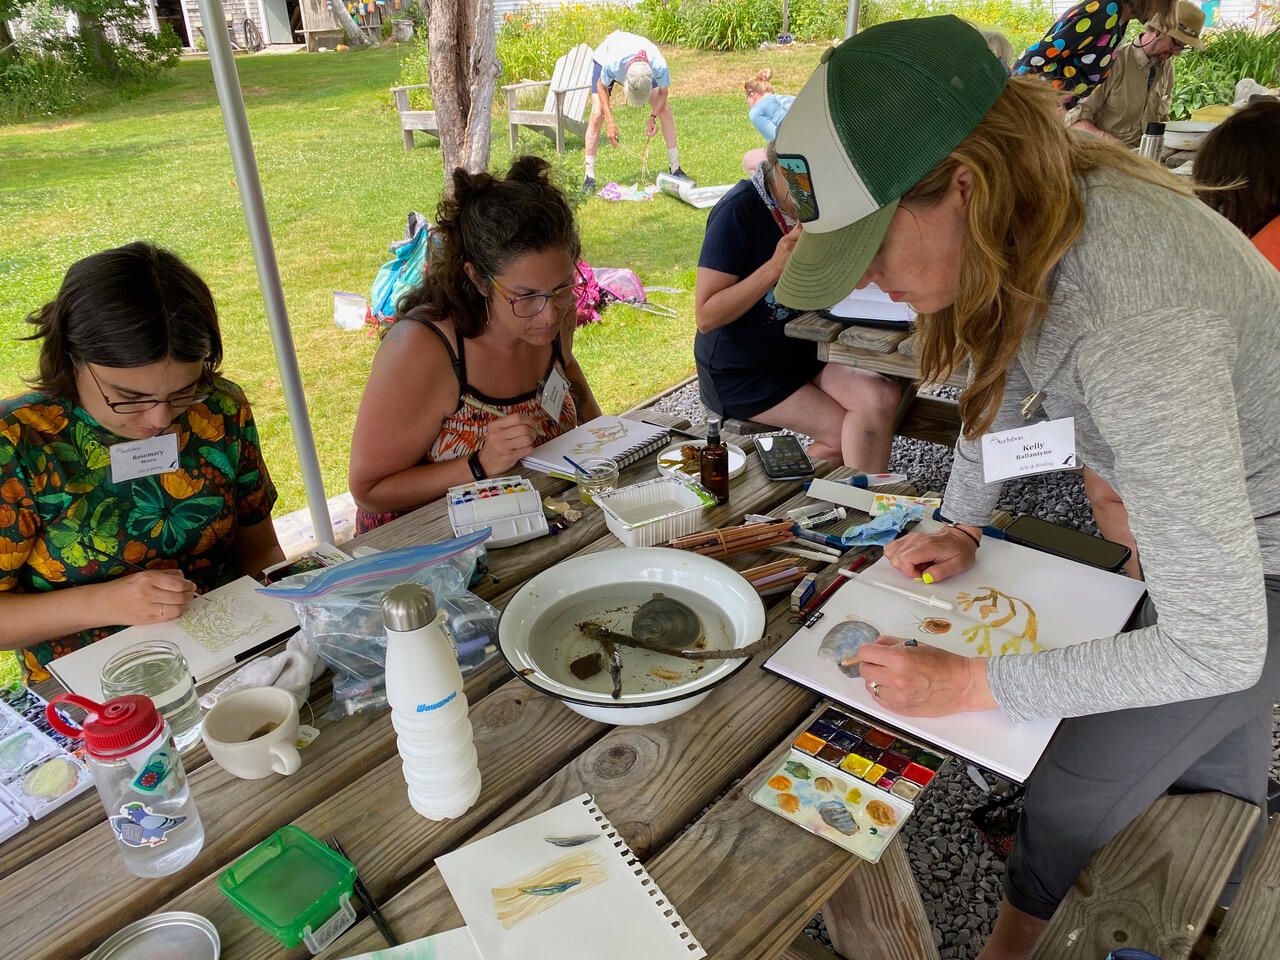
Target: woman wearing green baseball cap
(1098, 303)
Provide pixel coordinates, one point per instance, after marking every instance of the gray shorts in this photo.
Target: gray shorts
(1102, 771)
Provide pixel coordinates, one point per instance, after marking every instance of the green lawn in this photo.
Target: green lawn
(338, 184)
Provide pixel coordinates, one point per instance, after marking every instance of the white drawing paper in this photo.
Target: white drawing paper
(450, 945)
(1015, 600)
(214, 630)
(563, 886)
(615, 438)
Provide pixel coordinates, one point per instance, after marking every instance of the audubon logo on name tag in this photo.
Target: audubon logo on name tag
(135, 459)
(1035, 448)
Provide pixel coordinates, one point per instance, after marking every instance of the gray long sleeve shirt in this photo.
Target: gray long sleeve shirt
(1163, 342)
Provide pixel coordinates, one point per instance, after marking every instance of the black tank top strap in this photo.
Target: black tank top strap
(556, 353)
(457, 359)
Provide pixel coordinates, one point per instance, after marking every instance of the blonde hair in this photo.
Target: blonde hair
(1023, 213)
(997, 43)
(760, 83)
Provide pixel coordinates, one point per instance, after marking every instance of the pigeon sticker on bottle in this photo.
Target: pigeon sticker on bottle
(139, 827)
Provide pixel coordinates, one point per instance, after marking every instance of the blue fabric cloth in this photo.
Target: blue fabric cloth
(768, 113)
(619, 48)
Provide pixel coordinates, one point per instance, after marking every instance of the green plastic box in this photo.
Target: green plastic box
(294, 887)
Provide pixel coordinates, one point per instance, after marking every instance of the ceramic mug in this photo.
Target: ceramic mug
(253, 733)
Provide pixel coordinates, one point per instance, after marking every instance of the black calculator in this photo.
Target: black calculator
(783, 457)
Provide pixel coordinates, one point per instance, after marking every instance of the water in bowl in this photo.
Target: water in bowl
(556, 641)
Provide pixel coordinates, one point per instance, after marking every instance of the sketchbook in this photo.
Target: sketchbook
(450, 945)
(873, 306)
(1014, 600)
(219, 629)
(619, 440)
(563, 886)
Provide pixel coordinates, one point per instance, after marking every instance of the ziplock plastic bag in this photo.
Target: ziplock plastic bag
(339, 608)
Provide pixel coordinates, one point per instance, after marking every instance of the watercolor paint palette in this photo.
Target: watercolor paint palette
(510, 506)
(850, 782)
(40, 769)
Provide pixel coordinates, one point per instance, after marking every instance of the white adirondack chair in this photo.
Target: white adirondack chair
(568, 94)
(411, 120)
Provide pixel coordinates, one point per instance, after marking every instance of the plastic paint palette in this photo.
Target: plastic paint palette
(850, 782)
(40, 769)
(511, 506)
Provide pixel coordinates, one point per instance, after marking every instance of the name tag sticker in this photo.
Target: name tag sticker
(553, 393)
(1036, 448)
(135, 459)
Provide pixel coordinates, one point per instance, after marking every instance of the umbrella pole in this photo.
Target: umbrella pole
(851, 20)
(231, 101)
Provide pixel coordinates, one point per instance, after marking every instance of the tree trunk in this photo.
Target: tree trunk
(93, 37)
(464, 71)
(354, 34)
(6, 38)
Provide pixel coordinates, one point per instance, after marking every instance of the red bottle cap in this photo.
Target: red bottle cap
(110, 729)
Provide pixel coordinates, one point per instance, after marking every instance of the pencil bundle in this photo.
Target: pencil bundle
(730, 541)
(778, 575)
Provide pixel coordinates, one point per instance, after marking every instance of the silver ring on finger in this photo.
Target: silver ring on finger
(875, 689)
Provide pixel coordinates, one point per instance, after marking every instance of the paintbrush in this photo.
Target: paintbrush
(370, 905)
(581, 469)
(480, 405)
(683, 433)
(108, 556)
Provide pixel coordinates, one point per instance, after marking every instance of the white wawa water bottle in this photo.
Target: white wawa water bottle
(428, 707)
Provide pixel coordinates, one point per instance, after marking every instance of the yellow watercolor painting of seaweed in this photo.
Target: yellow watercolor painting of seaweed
(602, 436)
(993, 613)
(547, 886)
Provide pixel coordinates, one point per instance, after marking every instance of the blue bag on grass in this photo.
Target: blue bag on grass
(405, 271)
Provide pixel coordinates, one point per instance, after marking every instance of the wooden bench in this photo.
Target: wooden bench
(411, 120)
(568, 93)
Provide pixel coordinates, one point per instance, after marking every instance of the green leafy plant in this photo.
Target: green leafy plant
(1206, 77)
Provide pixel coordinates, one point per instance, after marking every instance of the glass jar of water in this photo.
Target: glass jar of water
(157, 670)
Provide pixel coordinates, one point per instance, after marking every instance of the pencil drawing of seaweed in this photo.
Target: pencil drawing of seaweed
(602, 437)
(992, 615)
(547, 886)
(215, 624)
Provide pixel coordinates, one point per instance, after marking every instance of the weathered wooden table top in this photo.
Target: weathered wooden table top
(744, 880)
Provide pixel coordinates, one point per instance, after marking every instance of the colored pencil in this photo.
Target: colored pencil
(834, 585)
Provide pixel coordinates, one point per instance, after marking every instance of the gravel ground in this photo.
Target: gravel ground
(959, 877)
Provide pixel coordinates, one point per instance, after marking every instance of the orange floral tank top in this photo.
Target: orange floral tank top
(463, 432)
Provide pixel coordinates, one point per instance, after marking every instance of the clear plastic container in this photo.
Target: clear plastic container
(157, 670)
(138, 772)
(654, 511)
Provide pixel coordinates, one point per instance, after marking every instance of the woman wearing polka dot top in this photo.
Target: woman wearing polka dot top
(1076, 55)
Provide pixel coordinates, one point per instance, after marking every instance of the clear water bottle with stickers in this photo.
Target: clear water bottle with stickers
(139, 776)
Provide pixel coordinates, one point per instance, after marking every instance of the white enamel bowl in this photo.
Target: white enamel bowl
(722, 592)
(1187, 134)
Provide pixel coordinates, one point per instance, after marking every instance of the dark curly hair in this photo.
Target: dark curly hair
(124, 307)
(488, 222)
(1241, 156)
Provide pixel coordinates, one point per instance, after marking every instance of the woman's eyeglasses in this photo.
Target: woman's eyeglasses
(532, 304)
(196, 393)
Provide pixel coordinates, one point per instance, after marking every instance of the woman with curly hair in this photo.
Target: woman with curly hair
(1056, 266)
(456, 390)
(131, 475)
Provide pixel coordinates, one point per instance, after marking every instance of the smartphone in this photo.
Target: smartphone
(1067, 542)
(783, 457)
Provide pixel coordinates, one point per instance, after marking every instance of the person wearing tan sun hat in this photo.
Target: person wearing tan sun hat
(1140, 84)
(1054, 266)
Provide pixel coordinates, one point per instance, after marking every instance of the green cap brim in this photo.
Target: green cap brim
(825, 267)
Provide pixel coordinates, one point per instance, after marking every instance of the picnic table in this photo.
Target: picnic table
(891, 353)
(745, 881)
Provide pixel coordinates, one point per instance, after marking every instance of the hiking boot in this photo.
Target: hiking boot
(589, 185)
(681, 175)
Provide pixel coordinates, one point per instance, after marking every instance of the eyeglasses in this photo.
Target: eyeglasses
(532, 304)
(196, 393)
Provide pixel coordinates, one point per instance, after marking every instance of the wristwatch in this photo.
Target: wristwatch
(477, 469)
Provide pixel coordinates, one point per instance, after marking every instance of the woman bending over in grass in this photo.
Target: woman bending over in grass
(458, 388)
(129, 354)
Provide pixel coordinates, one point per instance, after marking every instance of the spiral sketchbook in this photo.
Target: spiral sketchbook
(563, 886)
(622, 441)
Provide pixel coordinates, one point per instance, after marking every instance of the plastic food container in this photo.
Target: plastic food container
(654, 511)
(294, 887)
